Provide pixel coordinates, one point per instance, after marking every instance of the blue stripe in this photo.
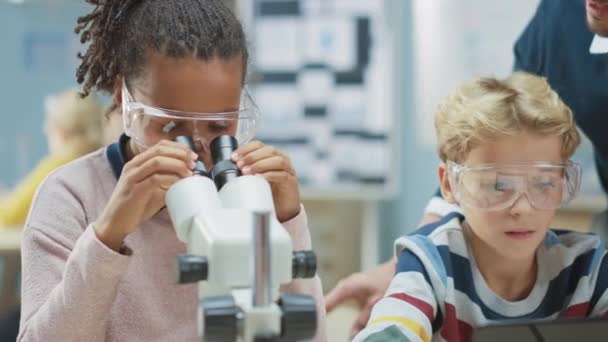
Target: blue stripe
(430, 251)
(409, 262)
(426, 230)
(551, 239)
(563, 286)
(601, 284)
(597, 256)
(560, 232)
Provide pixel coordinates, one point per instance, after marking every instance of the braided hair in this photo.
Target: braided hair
(120, 33)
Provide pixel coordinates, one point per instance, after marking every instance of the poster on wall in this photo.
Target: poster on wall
(323, 84)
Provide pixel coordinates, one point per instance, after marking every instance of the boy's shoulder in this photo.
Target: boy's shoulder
(449, 222)
(433, 249)
(446, 233)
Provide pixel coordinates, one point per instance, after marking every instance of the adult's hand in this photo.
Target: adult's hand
(365, 288)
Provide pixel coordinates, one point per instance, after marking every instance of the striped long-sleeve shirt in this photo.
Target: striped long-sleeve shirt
(438, 294)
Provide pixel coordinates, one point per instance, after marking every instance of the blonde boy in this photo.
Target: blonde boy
(505, 147)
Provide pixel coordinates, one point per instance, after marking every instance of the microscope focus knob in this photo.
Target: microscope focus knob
(191, 268)
(299, 320)
(304, 264)
(221, 318)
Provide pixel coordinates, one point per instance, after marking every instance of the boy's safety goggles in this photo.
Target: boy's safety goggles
(148, 125)
(489, 187)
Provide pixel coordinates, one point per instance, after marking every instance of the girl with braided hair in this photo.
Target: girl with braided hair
(98, 247)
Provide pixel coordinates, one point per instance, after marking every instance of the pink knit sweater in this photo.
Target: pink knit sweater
(74, 288)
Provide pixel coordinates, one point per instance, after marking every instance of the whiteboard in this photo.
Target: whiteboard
(455, 41)
(322, 76)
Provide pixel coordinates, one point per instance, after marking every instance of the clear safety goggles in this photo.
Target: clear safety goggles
(498, 186)
(148, 125)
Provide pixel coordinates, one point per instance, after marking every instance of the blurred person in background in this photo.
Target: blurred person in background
(74, 127)
(113, 126)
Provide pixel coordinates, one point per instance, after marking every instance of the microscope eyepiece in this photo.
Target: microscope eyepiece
(199, 168)
(225, 169)
(186, 141)
(222, 148)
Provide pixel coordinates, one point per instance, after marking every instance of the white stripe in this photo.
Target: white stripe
(595, 273)
(466, 310)
(599, 45)
(413, 284)
(433, 274)
(453, 237)
(561, 256)
(471, 313)
(441, 207)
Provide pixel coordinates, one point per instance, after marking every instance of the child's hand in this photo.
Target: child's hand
(140, 192)
(258, 159)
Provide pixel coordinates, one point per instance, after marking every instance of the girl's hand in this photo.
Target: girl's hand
(258, 159)
(140, 192)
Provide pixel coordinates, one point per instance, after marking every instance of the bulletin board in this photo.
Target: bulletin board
(322, 77)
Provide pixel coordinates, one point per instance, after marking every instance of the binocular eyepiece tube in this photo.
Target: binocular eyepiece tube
(224, 169)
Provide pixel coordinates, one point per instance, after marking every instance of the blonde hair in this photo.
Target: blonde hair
(485, 108)
(79, 119)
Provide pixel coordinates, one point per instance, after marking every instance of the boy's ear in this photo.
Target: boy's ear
(444, 182)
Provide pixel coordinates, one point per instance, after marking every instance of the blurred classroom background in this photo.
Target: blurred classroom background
(347, 88)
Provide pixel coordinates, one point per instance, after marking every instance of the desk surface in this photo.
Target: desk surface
(10, 239)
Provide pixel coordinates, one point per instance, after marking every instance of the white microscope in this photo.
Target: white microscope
(239, 253)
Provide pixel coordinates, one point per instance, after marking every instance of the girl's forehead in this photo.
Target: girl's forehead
(190, 84)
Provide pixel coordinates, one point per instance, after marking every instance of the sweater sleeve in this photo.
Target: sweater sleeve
(70, 278)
